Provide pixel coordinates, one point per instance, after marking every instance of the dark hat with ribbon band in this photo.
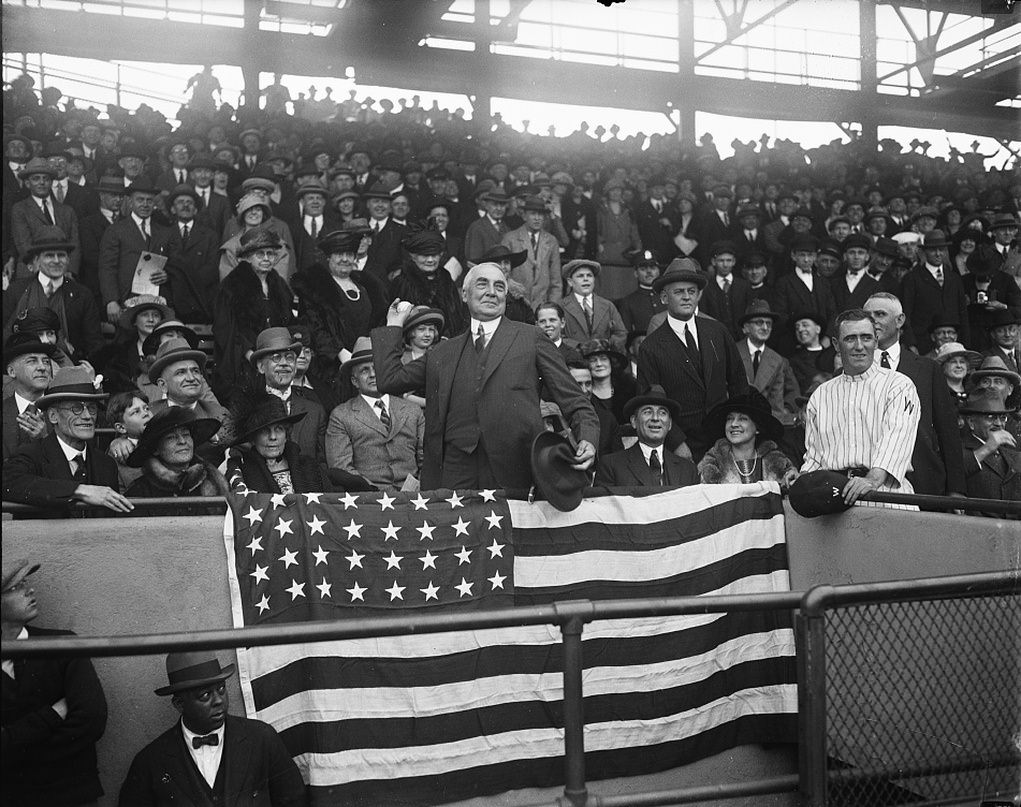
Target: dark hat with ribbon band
(535, 204)
(681, 270)
(986, 401)
(161, 424)
(995, 367)
(37, 165)
(361, 354)
(758, 308)
(558, 483)
(192, 669)
(48, 239)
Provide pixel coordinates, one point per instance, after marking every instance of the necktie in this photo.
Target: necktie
(59, 192)
(726, 220)
(184, 233)
(535, 242)
(755, 362)
(939, 276)
(46, 211)
(655, 468)
(48, 289)
(250, 160)
(658, 205)
(480, 339)
(208, 739)
(375, 226)
(312, 229)
(203, 197)
(689, 341)
(384, 416)
(78, 467)
(749, 235)
(586, 306)
(884, 360)
(181, 177)
(145, 232)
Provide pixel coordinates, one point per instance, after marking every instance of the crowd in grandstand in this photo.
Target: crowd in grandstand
(345, 298)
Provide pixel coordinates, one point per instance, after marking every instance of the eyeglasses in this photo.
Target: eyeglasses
(78, 407)
(265, 254)
(284, 356)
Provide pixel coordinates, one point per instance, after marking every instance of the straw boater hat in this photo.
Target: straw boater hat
(192, 669)
(161, 424)
(76, 383)
(134, 306)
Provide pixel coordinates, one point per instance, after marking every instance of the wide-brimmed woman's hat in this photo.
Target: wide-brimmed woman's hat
(192, 669)
(76, 383)
(152, 341)
(134, 306)
(751, 403)
(950, 350)
(161, 424)
(421, 315)
(263, 414)
(250, 200)
(339, 242)
(595, 347)
(259, 238)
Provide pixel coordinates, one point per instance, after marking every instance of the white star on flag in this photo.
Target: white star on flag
(386, 500)
(325, 589)
(320, 555)
(390, 531)
(349, 500)
(253, 515)
(353, 530)
(315, 525)
(464, 587)
(495, 549)
(394, 561)
(284, 526)
(355, 560)
(420, 503)
(455, 500)
(278, 500)
(497, 580)
(255, 545)
(488, 495)
(425, 531)
(296, 590)
(395, 591)
(464, 556)
(311, 498)
(493, 519)
(428, 560)
(289, 558)
(259, 573)
(263, 604)
(356, 592)
(461, 527)
(430, 591)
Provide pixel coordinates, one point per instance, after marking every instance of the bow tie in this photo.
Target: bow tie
(208, 739)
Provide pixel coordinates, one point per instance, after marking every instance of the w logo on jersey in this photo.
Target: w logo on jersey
(909, 405)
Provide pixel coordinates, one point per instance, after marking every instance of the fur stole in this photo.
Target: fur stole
(718, 468)
(250, 309)
(198, 479)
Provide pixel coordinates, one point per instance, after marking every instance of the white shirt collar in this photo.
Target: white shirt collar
(385, 398)
(138, 222)
(183, 406)
(752, 348)
(581, 300)
(488, 328)
(40, 202)
(56, 281)
(281, 394)
(380, 223)
(852, 279)
(893, 351)
(933, 269)
(493, 221)
(647, 452)
(22, 403)
(721, 279)
(69, 452)
(8, 664)
(679, 326)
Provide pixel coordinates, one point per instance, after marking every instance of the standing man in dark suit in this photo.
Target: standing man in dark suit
(854, 286)
(385, 254)
(801, 290)
(314, 220)
(27, 362)
(192, 268)
(934, 288)
(725, 297)
(177, 173)
(66, 466)
(747, 234)
(694, 359)
(209, 756)
(91, 229)
(658, 222)
(83, 201)
(716, 224)
(1003, 336)
(1004, 247)
(936, 466)
(214, 209)
(38, 212)
(637, 308)
(482, 391)
(487, 231)
(123, 244)
(647, 462)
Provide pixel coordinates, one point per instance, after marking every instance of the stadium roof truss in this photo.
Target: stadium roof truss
(924, 63)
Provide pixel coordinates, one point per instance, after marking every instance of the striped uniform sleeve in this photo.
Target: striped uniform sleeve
(813, 452)
(900, 416)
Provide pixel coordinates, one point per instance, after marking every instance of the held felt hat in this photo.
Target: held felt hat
(171, 352)
(681, 270)
(503, 253)
(75, 383)
(16, 571)
(134, 306)
(268, 411)
(274, 340)
(818, 493)
(161, 424)
(985, 402)
(26, 344)
(557, 482)
(193, 669)
(751, 403)
(579, 263)
(655, 396)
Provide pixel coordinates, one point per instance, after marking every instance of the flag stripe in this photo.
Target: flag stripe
(434, 733)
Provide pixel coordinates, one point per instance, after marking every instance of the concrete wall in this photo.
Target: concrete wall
(152, 575)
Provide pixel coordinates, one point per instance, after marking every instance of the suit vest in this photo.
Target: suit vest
(204, 794)
(462, 427)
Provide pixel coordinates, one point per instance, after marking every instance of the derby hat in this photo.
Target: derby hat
(171, 352)
(818, 493)
(259, 238)
(1000, 221)
(758, 308)
(943, 319)
(192, 669)
(274, 340)
(16, 571)
(425, 242)
(339, 242)
(48, 239)
(142, 186)
(75, 383)
(579, 263)
(26, 344)
(37, 165)
(133, 306)
(995, 366)
(361, 353)
(654, 396)
(557, 482)
(950, 350)
(152, 341)
(33, 320)
(751, 403)
(265, 412)
(681, 270)
(985, 402)
(162, 423)
(501, 252)
(421, 315)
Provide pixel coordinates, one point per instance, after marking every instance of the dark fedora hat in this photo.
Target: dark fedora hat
(266, 411)
(339, 242)
(995, 367)
(25, 344)
(935, 239)
(377, 191)
(33, 320)
(681, 270)
(496, 195)
(171, 352)
(654, 396)
(985, 401)
(557, 482)
(818, 493)
(501, 252)
(1001, 318)
(182, 190)
(886, 246)
(758, 308)
(274, 340)
(202, 161)
(192, 669)
(313, 187)
(113, 185)
(535, 204)
(37, 165)
(173, 417)
(1000, 220)
(75, 383)
(259, 238)
(48, 239)
(751, 403)
(142, 185)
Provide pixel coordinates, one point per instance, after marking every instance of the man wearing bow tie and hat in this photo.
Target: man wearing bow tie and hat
(210, 757)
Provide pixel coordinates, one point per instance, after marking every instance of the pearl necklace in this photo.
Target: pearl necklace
(746, 475)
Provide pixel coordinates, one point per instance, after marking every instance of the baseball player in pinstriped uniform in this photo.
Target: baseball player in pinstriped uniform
(864, 421)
